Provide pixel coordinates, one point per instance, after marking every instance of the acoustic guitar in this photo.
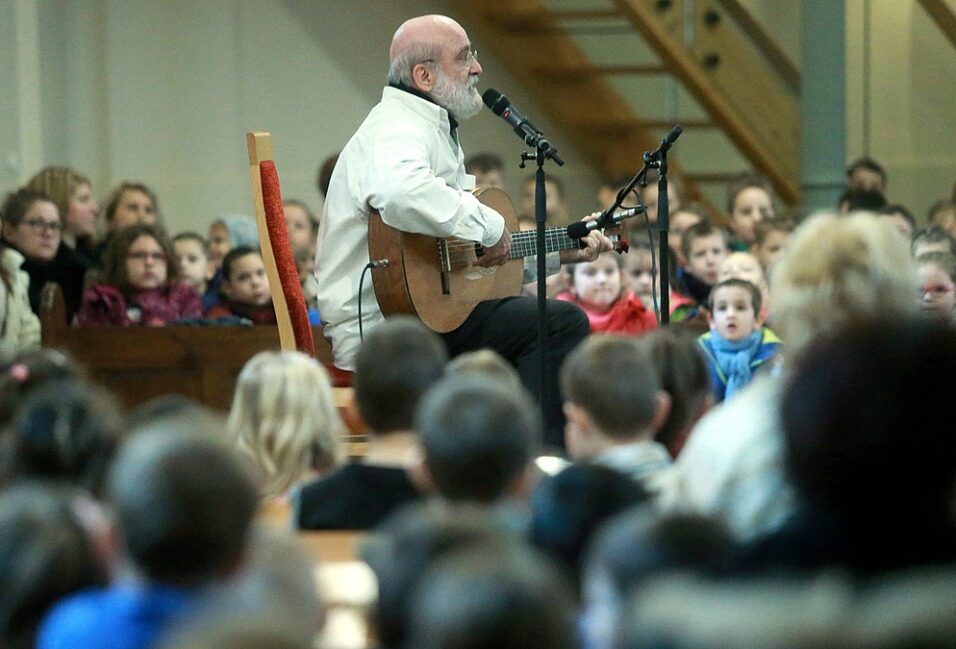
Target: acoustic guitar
(436, 280)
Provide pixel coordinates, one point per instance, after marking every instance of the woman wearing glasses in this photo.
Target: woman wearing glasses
(139, 284)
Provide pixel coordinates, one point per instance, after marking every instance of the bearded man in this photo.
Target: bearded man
(405, 162)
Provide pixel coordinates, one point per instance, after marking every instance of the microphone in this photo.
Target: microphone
(580, 229)
(667, 142)
(501, 106)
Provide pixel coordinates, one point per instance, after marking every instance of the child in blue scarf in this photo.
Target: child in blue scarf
(737, 344)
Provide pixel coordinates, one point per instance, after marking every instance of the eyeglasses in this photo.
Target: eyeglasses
(467, 58)
(935, 290)
(40, 225)
(143, 256)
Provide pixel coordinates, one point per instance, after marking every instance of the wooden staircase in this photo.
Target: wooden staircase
(604, 70)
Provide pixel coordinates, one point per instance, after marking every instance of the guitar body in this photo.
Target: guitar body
(435, 279)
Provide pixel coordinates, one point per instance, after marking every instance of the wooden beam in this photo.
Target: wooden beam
(602, 70)
(763, 41)
(943, 16)
(762, 150)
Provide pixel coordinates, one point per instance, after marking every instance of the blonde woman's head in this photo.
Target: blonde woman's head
(839, 271)
(283, 417)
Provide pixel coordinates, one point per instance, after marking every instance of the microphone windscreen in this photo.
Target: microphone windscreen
(494, 100)
(578, 229)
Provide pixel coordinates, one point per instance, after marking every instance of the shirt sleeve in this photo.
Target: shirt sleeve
(410, 197)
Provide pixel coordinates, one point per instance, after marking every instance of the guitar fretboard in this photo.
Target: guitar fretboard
(523, 244)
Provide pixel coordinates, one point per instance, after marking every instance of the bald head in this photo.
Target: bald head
(424, 32)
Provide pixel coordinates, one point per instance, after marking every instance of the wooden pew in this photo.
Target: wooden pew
(139, 363)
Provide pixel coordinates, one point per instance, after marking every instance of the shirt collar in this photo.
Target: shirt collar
(452, 122)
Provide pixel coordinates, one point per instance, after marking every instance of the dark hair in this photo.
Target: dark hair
(682, 372)
(933, 234)
(232, 256)
(868, 200)
(612, 379)
(184, 504)
(478, 436)
(324, 177)
(777, 224)
(29, 371)
(44, 556)
(114, 268)
(892, 209)
(66, 430)
(396, 364)
(112, 203)
(861, 406)
(478, 598)
(756, 298)
(568, 508)
(698, 231)
(194, 236)
(870, 165)
(483, 163)
(945, 260)
(406, 545)
(18, 203)
(746, 181)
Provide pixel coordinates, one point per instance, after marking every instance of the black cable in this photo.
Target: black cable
(370, 265)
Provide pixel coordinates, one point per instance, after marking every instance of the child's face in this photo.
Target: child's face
(598, 283)
(680, 222)
(751, 206)
(733, 317)
(194, 267)
(219, 244)
(299, 226)
(146, 263)
(741, 265)
(771, 248)
(706, 253)
(133, 207)
(936, 287)
(637, 275)
(82, 212)
(248, 283)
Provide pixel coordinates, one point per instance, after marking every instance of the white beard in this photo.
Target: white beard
(460, 99)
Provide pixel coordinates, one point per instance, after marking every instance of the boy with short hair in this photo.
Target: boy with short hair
(184, 506)
(737, 344)
(615, 406)
(770, 238)
(196, 267)
(245, 289)
(704, 246)
(396, 364)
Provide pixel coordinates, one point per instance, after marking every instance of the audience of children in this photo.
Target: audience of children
(743, 265)
(866, 174)
(704, 247)
(639, 274)
(487, 168)
(598, 288)
(196, 268)
(750, 200)
(284, 420)
(140, 283)
(737, 345)
(396, 364)
(932, 239)
(770, 239)
(231, 231)
(936, 283)
(244, 292)
(682, 219)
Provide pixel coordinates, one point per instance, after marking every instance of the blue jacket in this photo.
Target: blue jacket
(768, 347)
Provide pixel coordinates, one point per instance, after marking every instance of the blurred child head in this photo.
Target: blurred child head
(750, 200)
(488, 363)
(932, 239)
(742, 265)
(487, 168)
(597, 284)
(936, 277)
(231, 231)
(650, 198)
(639, 272)
(861, 200)
(554, 198)
(704, 246)
(683, 375)
(478, 437)
(195, 264)
(866, 174)
(298, 223)
(770, 238)
(902, 219)
(131, 204)
(140, 258)
(284, 419)
(29, 371)
(611, 395)
(943, 214)
(244, 278)
(684, 218)
(734, 306)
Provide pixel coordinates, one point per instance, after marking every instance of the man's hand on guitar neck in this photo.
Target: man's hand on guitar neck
(498, 253)
(594, 244)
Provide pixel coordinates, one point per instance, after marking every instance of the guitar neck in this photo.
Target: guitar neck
(524, 243)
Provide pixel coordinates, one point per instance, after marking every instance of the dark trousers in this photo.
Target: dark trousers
(509, 326)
